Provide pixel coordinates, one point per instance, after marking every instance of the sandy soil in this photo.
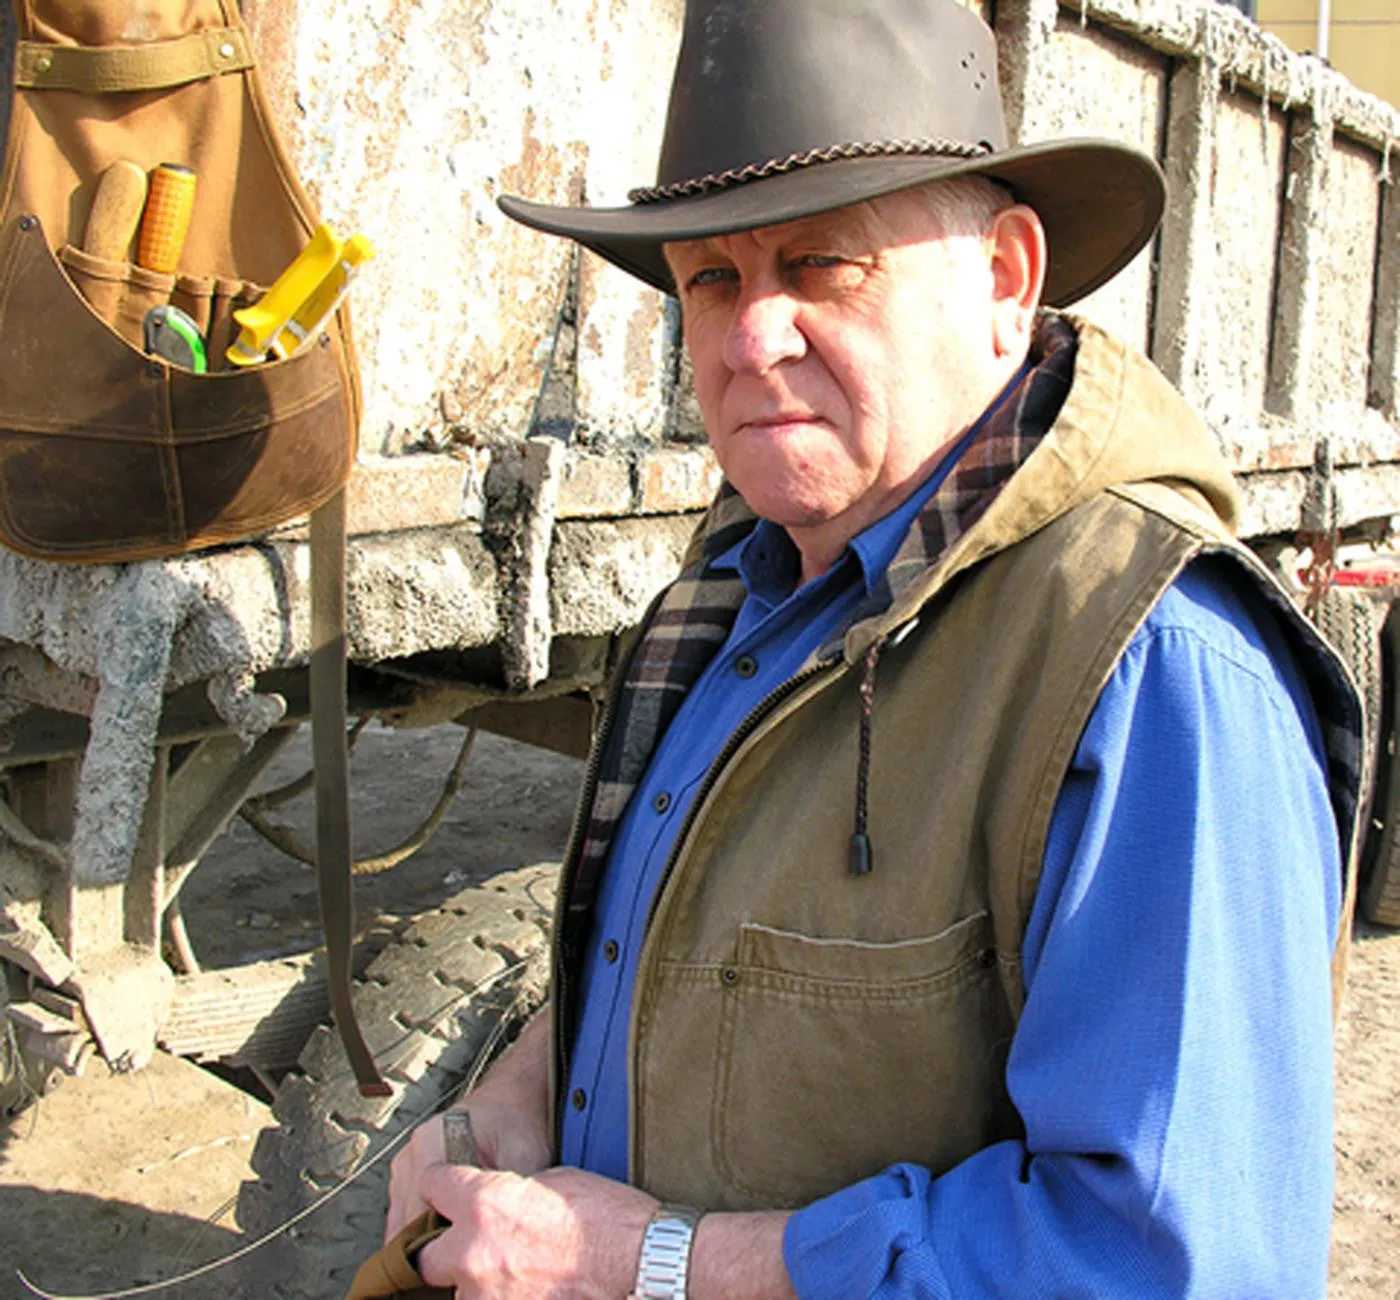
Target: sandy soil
(1366, 1226)
(110, 1182)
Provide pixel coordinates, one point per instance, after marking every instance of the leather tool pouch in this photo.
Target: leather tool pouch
(107, 453)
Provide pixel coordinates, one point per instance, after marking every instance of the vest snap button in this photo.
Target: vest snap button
(226, 50)
(27, 222)
(580, 1099)
(746, 666)
(610, 951)
(730, 975)
(988, 957)
(661, 802)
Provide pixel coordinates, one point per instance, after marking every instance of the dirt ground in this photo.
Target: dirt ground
(112, 1183)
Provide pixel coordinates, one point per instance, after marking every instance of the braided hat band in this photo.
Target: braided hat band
(935, 146)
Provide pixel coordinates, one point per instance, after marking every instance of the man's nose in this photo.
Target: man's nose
(763, 333)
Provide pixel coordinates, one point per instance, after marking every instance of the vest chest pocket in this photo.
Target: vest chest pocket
(839, 1057)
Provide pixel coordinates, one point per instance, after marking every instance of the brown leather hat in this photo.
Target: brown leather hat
(785, 108)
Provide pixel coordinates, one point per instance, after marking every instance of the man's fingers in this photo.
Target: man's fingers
(401, 1212)
(405, 1199)
(434, 1263)
(438, 1181)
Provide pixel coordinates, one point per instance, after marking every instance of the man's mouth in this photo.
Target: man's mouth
(781, 420)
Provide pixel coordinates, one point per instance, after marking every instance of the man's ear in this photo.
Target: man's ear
(1018, 257)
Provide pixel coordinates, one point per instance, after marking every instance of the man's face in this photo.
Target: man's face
(834, 358)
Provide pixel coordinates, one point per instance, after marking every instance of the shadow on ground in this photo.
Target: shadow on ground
(75, 1244)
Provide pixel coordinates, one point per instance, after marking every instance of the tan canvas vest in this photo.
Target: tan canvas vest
(796, 1028)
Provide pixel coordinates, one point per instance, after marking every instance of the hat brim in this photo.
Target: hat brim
(1098, 200)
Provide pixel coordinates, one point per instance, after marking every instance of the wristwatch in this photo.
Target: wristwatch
(665, 1260)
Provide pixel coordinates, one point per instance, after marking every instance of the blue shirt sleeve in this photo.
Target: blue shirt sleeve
(1173, 1062)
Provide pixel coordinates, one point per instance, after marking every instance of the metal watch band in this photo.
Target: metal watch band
(665, 1260)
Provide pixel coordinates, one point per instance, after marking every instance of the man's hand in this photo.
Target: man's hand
(570, 1235)
(562, 1233)
(510, 1121)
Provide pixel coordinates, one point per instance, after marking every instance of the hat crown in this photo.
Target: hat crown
(763, 80)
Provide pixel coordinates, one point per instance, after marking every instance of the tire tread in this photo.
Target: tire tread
(422, 1013)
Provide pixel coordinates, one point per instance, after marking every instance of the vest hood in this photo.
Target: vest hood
(1121, 424)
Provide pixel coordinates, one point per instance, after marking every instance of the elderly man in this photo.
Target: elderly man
(951, 911)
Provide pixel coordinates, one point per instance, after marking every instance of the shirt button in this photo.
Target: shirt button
(610, 951)
(746, 666)
(661, 802)
(580, 1099)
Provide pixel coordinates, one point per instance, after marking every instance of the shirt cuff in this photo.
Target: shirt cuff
(869, 1239)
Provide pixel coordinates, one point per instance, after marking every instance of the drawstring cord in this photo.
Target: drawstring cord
(862, 856)
(862, 859)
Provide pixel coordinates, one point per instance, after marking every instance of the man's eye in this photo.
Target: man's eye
(709, 275)
(817, 261)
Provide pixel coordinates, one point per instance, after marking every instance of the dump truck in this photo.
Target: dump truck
(530, 465)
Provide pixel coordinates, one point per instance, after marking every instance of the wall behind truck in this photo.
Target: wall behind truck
(409, 123)
(1270, 295)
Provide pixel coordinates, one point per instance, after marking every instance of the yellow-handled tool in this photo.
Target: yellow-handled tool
(301, 300)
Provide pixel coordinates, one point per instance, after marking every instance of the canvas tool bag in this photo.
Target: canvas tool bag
(107, 453)
(110, 454)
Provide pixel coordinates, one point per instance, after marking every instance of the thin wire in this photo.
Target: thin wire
(296, 788)
(478, 1067)
(286, 840)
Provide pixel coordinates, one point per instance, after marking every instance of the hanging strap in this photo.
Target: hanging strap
(330, 755)
(112, 69)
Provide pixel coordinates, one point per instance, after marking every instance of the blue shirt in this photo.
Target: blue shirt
(1172, 1065)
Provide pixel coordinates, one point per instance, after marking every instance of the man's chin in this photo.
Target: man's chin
(782, 508)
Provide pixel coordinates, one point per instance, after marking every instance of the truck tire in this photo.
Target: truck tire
(15, 1091)
(459, 982)
(1348, 619)
(1379, 869)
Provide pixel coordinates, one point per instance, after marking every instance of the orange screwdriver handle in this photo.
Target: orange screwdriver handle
(166, 222)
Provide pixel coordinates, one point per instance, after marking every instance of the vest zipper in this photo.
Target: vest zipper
(582, 816)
